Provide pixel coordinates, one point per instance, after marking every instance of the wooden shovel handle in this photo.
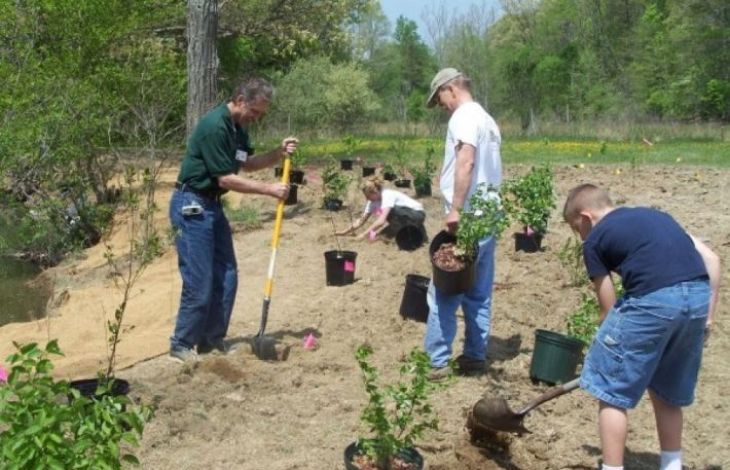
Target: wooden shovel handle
(549, 394)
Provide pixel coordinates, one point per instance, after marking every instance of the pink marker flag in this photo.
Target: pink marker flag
(310, 341)
(349, 266)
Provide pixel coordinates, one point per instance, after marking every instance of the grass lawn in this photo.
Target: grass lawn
(536, 151)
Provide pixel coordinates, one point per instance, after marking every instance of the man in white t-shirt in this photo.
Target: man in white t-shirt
(471, 157)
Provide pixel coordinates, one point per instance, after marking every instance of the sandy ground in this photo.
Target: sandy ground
(240, 412)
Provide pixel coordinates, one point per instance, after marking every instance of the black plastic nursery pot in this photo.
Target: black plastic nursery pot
(296, 176)
(292, 198)
(340, 267)
(368, 170)
(388, 176)
(414, 305)
(346, 164)
(555, 358)
(410, 238)
(333, 204)
(450, 282)
(529, 243)
(423, 190)
(403, 183)
(87, 388)
(411, 456)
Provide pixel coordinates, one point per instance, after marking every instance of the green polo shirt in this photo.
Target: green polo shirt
(216, 147)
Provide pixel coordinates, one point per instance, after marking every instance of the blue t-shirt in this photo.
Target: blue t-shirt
(646, 247)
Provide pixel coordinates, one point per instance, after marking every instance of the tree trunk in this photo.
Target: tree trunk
(202, 59)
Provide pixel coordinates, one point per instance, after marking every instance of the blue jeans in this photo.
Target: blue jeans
(208, 269)
(477, 307)
(654, 341)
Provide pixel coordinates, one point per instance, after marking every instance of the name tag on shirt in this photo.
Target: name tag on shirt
(241, 155)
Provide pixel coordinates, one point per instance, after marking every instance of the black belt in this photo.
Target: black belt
(213, 194)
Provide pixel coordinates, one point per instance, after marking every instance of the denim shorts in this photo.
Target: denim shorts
(654, 341)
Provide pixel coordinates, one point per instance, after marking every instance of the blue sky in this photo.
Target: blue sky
(414, 9)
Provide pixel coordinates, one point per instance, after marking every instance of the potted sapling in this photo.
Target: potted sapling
(423, 175)
(401, 164)
(296, 173)
(389, 172)
(351, 145)
(334, 185)
(530, 199)
(396, 415)
(298, 159)
(453, 256)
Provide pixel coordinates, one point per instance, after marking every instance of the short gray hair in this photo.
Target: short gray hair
(253, 89)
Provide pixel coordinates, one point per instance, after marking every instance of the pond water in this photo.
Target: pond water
(20, 301)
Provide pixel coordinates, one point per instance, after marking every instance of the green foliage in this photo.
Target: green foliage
(583, 322)
(484, 217)
(531, 198)
(575, 60)
(400, 157)
(396, 415)
(271, 35)
(334, 182)
(571, 258)
(423, 175)
(351, 145)
(86, 76)
(44, 424)
(317, 93)
(300, 157)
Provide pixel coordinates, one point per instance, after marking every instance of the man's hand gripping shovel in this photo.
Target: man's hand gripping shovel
(263, 347)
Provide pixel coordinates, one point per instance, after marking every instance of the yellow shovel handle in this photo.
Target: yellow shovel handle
(277, 231)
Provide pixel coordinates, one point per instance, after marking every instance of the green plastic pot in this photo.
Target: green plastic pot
(555, 358)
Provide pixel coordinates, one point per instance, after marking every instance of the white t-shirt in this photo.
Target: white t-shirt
(390, 198)
(471, 124)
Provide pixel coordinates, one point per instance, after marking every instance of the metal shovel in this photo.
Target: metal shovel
(263, 347)
(495, 414)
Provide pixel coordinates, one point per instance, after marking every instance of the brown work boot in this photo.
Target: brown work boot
(470, 366)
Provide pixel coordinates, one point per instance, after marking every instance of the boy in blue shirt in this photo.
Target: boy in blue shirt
(652, 338)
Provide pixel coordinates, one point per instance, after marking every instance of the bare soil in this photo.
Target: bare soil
(239, 412)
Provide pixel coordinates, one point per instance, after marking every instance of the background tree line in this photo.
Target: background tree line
(92, 83)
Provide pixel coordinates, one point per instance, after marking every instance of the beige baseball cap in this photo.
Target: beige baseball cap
(443, 77)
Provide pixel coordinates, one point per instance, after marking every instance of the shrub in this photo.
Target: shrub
(299, 158)
(571, 257)
(485, 217)
(334, 182)
(46, 424)
(397, 415)
(583, 322)
(531, 198)
(422, 175)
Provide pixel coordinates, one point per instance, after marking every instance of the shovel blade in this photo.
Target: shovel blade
(495, 414)
(267, 349)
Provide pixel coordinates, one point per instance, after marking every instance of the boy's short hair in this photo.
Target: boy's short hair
(586, 196)
(372, 185)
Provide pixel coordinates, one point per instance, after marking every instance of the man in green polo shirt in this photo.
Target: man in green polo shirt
(217, 149)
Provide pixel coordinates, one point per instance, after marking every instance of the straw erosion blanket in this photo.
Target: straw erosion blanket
(240, 412)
